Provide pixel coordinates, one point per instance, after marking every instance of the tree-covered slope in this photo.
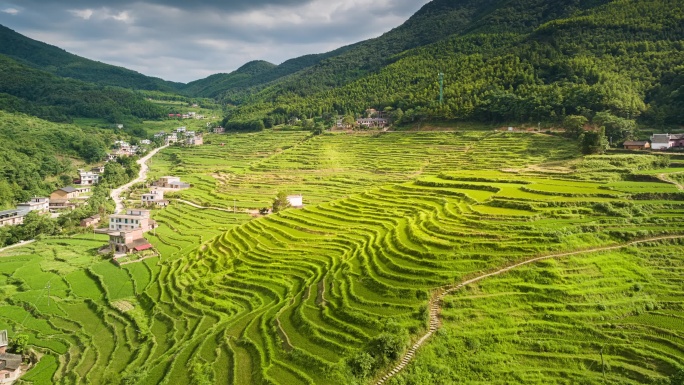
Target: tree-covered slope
(215, 84)
(435, 21)
(61, 63)
(35, 152)
(525, 60)
(31, 91)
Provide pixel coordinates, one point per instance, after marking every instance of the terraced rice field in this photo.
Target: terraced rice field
(334, 293)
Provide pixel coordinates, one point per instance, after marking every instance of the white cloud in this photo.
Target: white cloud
(183, 43)
(84, 14)
(11, 11)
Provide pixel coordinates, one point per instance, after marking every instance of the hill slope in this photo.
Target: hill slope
(31, 91)
(61, 63)
(434, 22)
(523, 60)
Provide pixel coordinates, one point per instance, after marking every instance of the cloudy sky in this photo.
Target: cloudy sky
(188, 40)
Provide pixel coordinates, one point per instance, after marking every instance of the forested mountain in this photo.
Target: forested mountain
(31, 91)
(36, 152)
(61, 63)
(519, 60)
(213, 85)
(434, 22)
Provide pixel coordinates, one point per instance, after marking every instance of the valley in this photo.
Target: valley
(337, 291)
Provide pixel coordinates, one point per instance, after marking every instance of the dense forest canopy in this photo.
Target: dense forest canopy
(521, 61)
(31, 91)
(61, 63)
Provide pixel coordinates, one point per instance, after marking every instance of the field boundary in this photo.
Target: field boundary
(436, 300)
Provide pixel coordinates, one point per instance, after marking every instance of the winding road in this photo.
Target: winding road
(116, 193)
(436, 301)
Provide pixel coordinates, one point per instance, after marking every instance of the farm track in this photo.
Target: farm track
(17, 245)
(666, 179)
(435, 302)
(116, 193)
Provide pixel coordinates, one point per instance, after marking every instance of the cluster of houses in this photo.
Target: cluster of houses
(374, 119)
(65, 198)
(124, 148)
(16, 216)
(126, 231)
(658, 142)
(181, 135)
(10, 364)
(189, 115)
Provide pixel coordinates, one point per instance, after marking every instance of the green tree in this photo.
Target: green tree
(617, 129)
(361, 365)
(280, 202)
(678, 378)
(574, 125)
(594, 142)
(18, 344)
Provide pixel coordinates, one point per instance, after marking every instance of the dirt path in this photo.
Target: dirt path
(116, 193)
(436, 300)
(24, 243)
(665, 178)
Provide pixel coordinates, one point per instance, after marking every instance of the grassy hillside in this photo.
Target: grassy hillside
(521, 60)
(28, 90)
(61, 63)
(213, 85)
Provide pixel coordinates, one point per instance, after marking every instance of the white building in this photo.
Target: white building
(295, 201)
(660, 141)
(41, 205)
(146, 142)
(154, 197)
(132, 220)
(88, 178)
(10, 364)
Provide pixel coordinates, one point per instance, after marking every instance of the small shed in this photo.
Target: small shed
(295, 201)
(90, 221)
(637, 145)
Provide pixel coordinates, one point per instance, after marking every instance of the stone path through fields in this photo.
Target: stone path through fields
(435, 302)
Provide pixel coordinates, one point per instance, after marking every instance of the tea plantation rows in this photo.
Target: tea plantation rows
(335, 292)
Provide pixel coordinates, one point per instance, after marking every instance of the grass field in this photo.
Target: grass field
(334, 292)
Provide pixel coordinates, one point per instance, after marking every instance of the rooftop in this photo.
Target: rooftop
(10, 362)
(68, 189)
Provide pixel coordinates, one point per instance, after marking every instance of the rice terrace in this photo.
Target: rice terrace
(393, 249)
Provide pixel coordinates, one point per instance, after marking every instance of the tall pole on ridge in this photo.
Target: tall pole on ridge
(441, 88)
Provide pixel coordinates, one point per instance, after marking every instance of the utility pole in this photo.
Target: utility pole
(441, 88)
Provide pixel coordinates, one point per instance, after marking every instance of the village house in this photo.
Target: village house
(160, 134)
(667, 141)
(154, 197)
(61, 199)
(170, 182)
(132, 220)
(88, 178)
(10, 364)
(12, 217)
(111, 157)
(219, 130)
(181, 130)
(83, 189)
(372, 122)
(127, 242)
(295, 201)
(637, 145)
(91, 221)
(196, 140)
(41, 205)
(172, 138)
(98, 169)
(146, 142)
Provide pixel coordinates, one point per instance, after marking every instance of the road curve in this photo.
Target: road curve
(436, 300)
(116, 193)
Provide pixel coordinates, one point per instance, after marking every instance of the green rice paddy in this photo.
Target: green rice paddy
(297, 297)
